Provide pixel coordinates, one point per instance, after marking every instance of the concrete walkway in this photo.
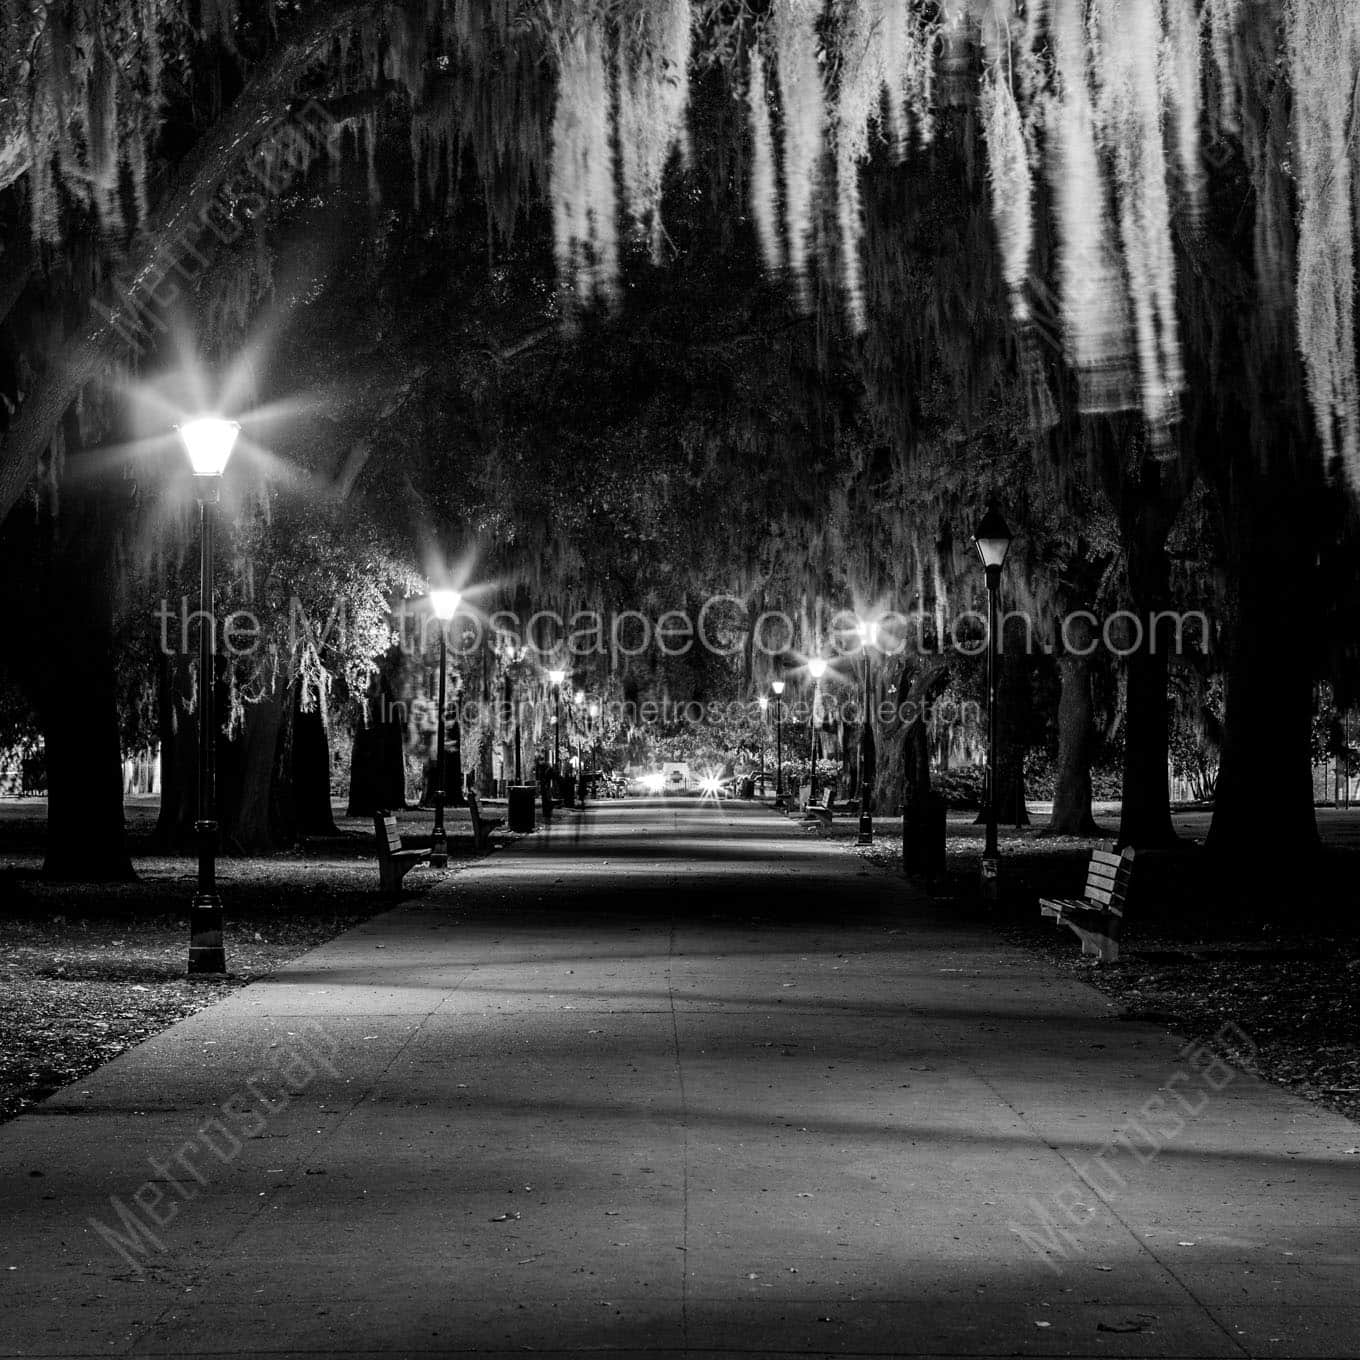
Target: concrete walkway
(670, 1079)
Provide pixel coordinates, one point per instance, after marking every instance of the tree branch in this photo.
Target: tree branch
(178, 219)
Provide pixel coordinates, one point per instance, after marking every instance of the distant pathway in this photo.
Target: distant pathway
(670, 1078)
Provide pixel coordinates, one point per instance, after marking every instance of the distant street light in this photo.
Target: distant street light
(579, 701)
(445, 605)
(816, 669)
(764, 703)
(992, 538)
(208, 441)
(780, 803)
(557, 677)
(868, 636)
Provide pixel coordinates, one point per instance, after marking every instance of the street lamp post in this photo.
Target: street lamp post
(764, 703)
(816, 669)
(868, 635)
(993, 541)
(780, 802)
(577, 724)
(445, 605)
(557, 677)
(208, 441)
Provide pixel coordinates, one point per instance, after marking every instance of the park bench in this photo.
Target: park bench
(482, 825)
(816, 816)
(1097, 917)
(394, 860)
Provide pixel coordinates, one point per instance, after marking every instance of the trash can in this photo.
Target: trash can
(521, 806)
(748, 787)
(924, 824)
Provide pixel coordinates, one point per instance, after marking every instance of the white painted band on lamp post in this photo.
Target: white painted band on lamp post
(445, 605)
(208, 442)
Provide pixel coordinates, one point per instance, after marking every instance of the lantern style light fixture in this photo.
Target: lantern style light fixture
(208, 441)
(444, 603)
(992, 539)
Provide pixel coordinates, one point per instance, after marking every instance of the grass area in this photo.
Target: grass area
(87, 971)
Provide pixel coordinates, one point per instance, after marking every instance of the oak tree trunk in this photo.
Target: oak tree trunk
(377, 770)
(1147, 513)
(1264, 794)
(246, 794)
(311, 772)
(1072, 814)
(85, 830)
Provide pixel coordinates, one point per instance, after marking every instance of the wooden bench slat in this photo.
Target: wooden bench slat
(1098, 878)
(1058, 906)
(1110, 901)
(1111, 857)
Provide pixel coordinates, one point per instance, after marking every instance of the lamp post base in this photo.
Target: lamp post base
(206, 952)
(439, 851)
(990, 879)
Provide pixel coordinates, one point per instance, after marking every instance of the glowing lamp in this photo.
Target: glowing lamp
(445, 604)
(208, 441)
(817, 667)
